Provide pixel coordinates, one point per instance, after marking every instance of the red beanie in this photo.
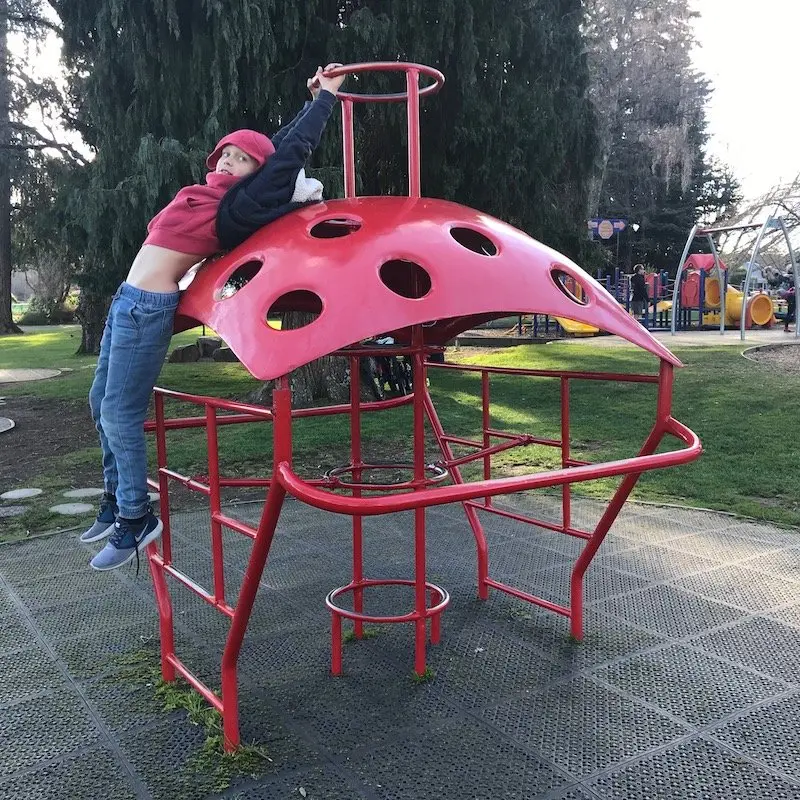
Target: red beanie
(255, 144)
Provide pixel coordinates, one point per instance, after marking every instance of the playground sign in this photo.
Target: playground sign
(605, 228)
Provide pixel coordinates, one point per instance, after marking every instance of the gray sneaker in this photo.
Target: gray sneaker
(126, 541)
(104, 524)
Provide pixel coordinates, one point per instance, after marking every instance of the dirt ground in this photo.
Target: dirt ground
(784, 357)
(44, 429)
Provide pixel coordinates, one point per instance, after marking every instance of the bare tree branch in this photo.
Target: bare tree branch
(42, 142)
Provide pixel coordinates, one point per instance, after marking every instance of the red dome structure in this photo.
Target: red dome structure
(433, 269)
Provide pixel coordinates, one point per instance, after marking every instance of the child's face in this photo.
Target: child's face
(234, 161)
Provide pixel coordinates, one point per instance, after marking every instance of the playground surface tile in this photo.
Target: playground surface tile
(687, 683)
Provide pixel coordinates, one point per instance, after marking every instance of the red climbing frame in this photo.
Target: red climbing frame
(436, 285)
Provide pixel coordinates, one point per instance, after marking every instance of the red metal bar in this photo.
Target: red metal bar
(282, 453)
(348, 149)
(163, 601)
(566, 489)
(623, 377)
(358, 529)
(216, 402)
(419, 375)
(481, 548)
(163, 482)
(531, 598)
(214, 501)
(486, 424)
(189, 483)
(236, 525)
(196, 683)
(460, 492)
(412, 87)
(200, 422)
(193, 586)
(550, 526)
(321, 411)
(664, 423)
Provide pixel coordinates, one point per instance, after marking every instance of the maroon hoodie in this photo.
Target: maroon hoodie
(188, 223)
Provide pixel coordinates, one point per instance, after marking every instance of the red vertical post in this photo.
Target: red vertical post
(160, 587)
(412, 85)
(355, 459)
(282, 451)
(348, 149)
(566, 489)
(486, 422)
(420, 590)
(212, 446)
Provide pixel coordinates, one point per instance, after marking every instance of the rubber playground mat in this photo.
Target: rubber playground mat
(687, 683)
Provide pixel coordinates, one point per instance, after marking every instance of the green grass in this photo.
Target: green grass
(744, 413)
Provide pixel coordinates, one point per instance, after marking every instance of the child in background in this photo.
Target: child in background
(140, 320)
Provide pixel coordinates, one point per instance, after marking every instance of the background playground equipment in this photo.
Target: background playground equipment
(724, 308)
(617, 284)
(433, 269)
(700, 297)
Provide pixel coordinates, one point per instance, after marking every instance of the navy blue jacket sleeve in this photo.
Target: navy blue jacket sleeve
(266, 195)
(278, 137)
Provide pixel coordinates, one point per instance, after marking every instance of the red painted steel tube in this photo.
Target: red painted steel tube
(481, 548)
(358, 529)
(622, 377)
(193, 586)
(460, 492)
(485, 454)
(540, 523)
(189, 483)
(225, 405)
(163, 482)
(531, 598)
(410, 616)
(566, 489)
(165, 623)
(412, 84)
(486, 424)
(236, 525)
(160, 588)
(197, 684)
(348, 149)
(200, 422)
(215, 504)
(281, 399)
(420, 567)
(216, 402)
(386, 66)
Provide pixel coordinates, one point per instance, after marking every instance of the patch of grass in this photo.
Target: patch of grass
(367, 633)
(211, 760)
(426, 676)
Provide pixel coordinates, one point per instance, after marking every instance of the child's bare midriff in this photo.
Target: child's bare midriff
(158, 269)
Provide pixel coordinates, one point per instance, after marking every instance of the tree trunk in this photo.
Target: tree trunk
(91, 313)
(6, 322)
(320, 382)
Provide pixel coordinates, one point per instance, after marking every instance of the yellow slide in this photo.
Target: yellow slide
(758, 306)
(576, 328)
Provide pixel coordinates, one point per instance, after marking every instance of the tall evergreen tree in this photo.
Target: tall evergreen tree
(649, 102)
(157, 82)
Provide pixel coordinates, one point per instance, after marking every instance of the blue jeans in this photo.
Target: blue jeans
(132, 350)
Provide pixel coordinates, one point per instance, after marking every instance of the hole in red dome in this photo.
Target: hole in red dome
(569, 286)
(238, 279)
(405, 278)
(335, 228)
(307, 305)
(474, 240)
